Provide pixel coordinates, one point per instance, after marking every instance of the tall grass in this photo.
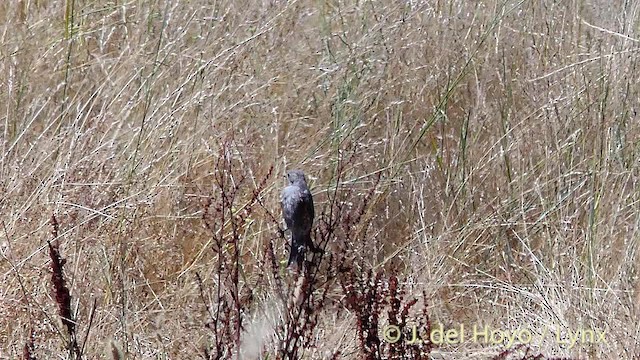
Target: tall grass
(480, 158)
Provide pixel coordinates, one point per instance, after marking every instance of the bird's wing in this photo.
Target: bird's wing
(308, 204)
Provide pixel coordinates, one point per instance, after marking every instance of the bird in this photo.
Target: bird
(298, 213)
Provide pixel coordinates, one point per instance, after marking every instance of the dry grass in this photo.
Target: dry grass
(486, 153)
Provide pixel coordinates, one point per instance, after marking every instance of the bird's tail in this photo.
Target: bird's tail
(295, 256)
(298, 249)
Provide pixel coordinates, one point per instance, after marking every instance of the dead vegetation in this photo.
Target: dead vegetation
(472, 163)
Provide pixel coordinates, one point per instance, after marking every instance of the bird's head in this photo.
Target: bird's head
(296, 177)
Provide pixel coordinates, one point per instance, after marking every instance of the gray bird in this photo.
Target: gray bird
(298, 213)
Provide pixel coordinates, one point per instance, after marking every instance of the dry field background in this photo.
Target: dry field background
(484, 152)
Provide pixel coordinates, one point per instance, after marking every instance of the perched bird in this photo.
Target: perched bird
(298, 213)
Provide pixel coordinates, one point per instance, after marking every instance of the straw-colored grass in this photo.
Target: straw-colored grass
(505, 136)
